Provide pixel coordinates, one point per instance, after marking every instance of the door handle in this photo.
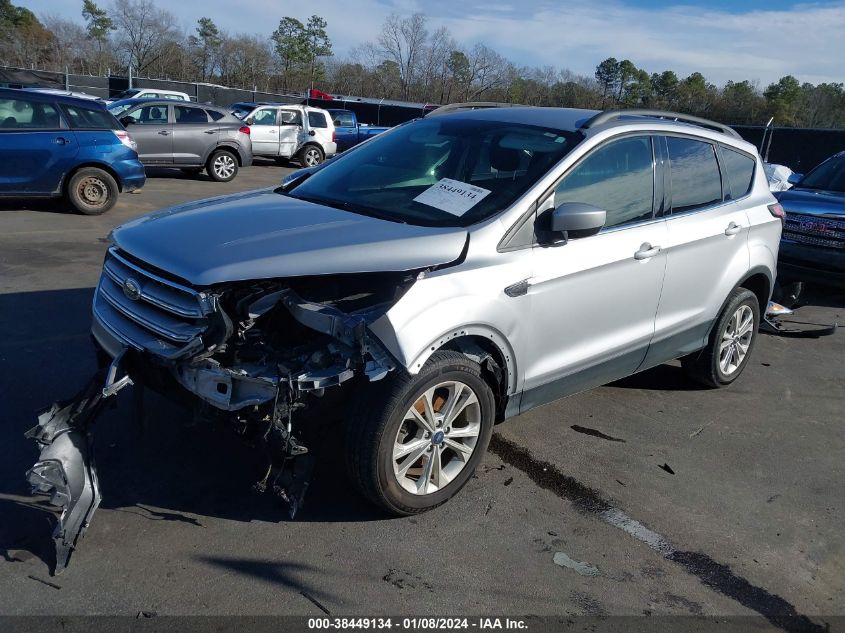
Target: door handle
(60, 140)
(733, 228)
(647, 251)
(164, 132)
(211, 131)
(518, 289)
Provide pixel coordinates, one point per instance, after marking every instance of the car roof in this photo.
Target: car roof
(167, 102)
(50, 97)
(577, 119)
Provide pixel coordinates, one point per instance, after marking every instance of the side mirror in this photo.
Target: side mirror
(794, 178)
(579, 218)
(127, 120)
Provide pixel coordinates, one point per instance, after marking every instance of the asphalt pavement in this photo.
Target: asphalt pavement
(650, 496)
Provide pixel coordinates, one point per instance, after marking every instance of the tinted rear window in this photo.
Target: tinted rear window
(740, 171)
(317, 119)
(184, 114)
(696, 181)
(80, 117)
(215, 115)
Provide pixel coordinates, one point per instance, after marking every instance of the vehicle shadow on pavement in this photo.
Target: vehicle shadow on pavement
(43, 205)
(666, 377)
(164, 469)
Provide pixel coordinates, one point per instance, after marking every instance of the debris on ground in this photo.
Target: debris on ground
(667, 468)
(698, 430)
(585, 569)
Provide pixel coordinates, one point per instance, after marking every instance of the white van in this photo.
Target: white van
(292, 131)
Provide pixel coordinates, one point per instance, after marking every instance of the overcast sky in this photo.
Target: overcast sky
(724, 40)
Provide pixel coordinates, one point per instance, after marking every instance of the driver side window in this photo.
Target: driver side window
(617, 177)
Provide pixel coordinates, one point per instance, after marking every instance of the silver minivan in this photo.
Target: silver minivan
(446, 275)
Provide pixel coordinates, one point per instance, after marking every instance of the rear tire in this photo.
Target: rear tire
(310, 156)
(222, 166)
(731, 342)
(92, 191)
(409, 462)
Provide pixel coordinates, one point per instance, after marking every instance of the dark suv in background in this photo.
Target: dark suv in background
(53, 145)
(189, 136)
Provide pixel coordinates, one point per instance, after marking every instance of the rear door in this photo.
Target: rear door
(706, 247)
(193, 134)
(150, 127)
(36, 148)
(264, 131)
(321, 129)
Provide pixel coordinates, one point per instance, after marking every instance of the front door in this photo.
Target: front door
(594, 299)
(264, 131)
(150, 127)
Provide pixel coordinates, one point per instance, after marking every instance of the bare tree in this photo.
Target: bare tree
(402, 41)
(145, 33)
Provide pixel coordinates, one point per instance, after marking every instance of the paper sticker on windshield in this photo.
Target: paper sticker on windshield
(452, 196)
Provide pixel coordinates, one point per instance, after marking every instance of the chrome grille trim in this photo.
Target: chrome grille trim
(151, 313)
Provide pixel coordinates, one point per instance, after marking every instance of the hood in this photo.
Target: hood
(262, 235)
(812, 202)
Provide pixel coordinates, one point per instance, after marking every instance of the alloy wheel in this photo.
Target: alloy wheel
(224, 166)
(437, 437)
(736, 340)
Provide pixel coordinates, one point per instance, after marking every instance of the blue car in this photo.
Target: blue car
(813, 243)
(58, 146)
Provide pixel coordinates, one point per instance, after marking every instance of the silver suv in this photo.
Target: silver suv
(451, 273)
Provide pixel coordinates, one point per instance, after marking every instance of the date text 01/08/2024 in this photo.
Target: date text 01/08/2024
(415, 624)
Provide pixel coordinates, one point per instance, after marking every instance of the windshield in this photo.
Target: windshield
(126, 94)
(829, 176)
(117, 108)
(439, 171)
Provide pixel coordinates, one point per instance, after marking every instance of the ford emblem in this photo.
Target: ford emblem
(131, 289)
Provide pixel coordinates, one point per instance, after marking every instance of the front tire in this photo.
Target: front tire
(92, 191)
(311, 156)
(222, 166)
(730, 344)
(414, 441)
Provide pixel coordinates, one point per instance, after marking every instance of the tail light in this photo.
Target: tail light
(244, 130)
(123, 137)
(777, 211)
(334, 136)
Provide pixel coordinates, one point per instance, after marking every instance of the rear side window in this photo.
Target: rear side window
(184, 114)
(617, 177)
(317, 119)
(215, 115)
(28, 115)
(344, 119)
(89, 118)
(695, 177)
(740, 172)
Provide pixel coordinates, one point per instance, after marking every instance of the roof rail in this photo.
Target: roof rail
(471, 105)
(613, 115)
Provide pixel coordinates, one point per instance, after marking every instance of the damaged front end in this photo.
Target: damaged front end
(255, 355)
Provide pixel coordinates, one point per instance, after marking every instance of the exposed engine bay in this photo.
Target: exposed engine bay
(268, 354)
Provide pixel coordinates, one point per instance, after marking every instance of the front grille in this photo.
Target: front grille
(148, 312)
(814, 230)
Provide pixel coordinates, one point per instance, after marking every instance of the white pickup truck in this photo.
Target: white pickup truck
(292, 131)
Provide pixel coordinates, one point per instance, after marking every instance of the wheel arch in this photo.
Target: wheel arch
(475, 340)
(229, 147)
(760, 281)
(104, 166)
